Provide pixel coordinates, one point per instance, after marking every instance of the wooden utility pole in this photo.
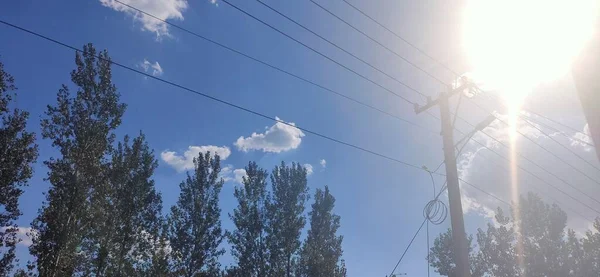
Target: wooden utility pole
(459, 236)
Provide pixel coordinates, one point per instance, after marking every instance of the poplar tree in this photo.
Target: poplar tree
(135, 217)
(194, 224)
(80, 126)
(18, 152)
(285, 217)
(247, 240)
(321, 254)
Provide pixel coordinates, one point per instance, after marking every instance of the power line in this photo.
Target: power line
(541, 191)
(325, 56)
(563, 146)
(401, 38)
(278, 68)
(554, 129)
(430, 213)
(532, 162)
(453, 71)
(435, 78)
(408, 246)
(259, 114)
(330, 42)
(545, 149)
(558, 123)
(425, 220)
(438, 62)
(537, 177)
(379, 43)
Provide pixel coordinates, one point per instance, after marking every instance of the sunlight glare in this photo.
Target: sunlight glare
(513, 45)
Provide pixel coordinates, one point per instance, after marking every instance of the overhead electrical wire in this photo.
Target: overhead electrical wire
(231, 49)
(436, 211)
(257, 113)
(435, 78)
(224, 102)
(559, 123)
(401, 38)
(542, 192)
(563, 146)
(243, 11)
(233, 106)
(330, 42)
(380, 44)
(556, 130)
(407, 86)
(249, 111)
(425, 221)
(325, 56)
(539, 178)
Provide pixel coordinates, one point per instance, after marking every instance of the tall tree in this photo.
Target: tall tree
(286, 217)
(17, 153)
(135, 206)
(81, 128)
(248, 238)
(195, 227)
(322, 250)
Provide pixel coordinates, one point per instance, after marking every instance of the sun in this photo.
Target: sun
(514, 45)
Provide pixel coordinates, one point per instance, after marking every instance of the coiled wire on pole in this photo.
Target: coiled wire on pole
(436, 211)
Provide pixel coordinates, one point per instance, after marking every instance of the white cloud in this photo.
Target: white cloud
(186, 161)
(238, 175)
(323, 163)
(277, 138)
(309, 169)
(583, 139)
(233, 175)
(156, 68)
(163, 9)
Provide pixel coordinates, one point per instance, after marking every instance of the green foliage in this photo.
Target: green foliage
(18, 152)
(194, 224)
(133, 213)
(322, 250)
(285, 217)
(247, 240)
(161, 253)
(81, 127)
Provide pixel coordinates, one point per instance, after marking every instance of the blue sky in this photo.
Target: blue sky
(380, 202)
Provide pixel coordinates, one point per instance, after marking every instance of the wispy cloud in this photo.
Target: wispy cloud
(323, 163)
(155, 67)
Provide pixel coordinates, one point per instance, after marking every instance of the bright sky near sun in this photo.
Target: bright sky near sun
(519, 50)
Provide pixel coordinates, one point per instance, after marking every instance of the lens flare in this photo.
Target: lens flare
(515, 45)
